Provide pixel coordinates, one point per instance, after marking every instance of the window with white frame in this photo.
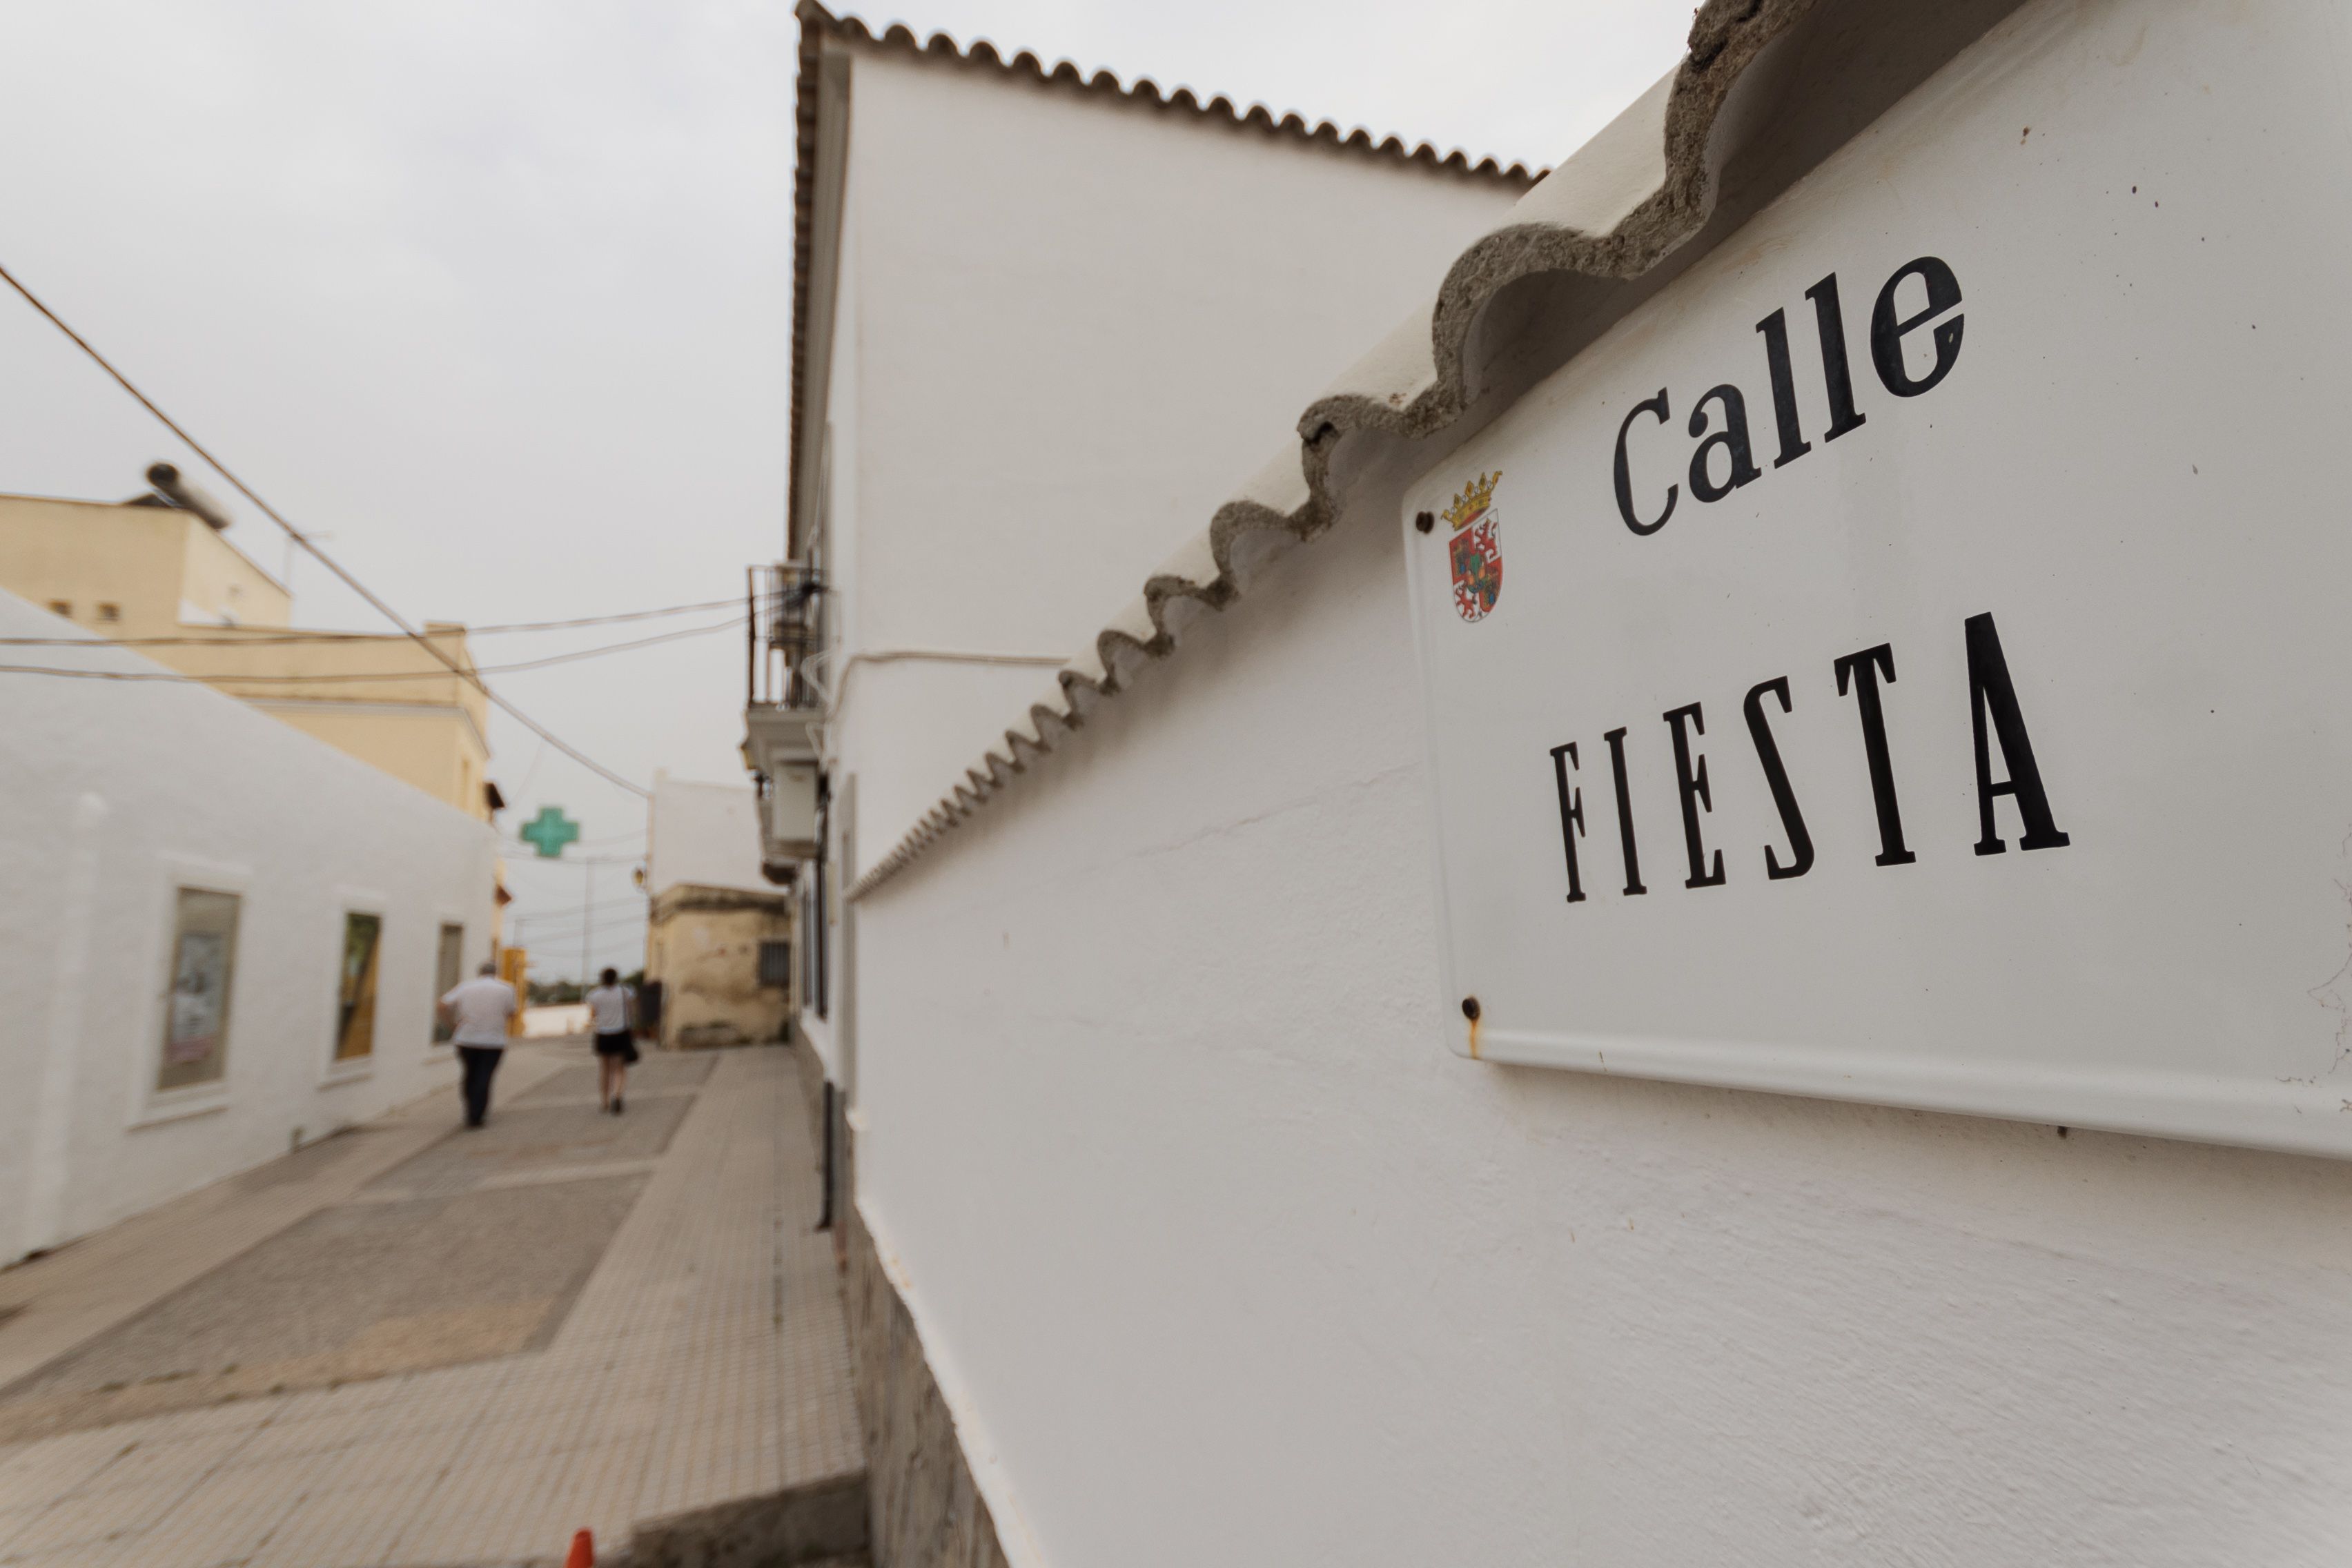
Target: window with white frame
(203, 974)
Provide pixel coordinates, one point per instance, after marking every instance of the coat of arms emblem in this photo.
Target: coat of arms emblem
(1475, 548)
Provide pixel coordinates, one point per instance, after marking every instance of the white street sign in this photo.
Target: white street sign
(1910, 658)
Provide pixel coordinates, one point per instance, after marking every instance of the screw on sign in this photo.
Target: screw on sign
(550, 831)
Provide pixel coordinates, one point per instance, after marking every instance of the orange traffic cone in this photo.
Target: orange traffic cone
(583, 1551)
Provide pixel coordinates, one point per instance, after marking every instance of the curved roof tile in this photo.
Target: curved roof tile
(818, 23)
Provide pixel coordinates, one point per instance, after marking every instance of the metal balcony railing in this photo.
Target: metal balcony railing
(785, 629)
(783, 713)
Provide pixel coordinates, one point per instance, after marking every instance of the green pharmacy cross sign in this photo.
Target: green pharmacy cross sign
(550, 831)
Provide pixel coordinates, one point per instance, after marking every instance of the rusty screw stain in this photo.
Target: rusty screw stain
(1470, 1008)
(1425, 522)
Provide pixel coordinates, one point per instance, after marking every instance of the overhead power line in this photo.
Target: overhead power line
(620, 934)
(323, 559)
(340, 677)
(572, 912)
(273, 639)
(600, 651)
(586, 843)
(608, 620)
(530, 858)
(597, 842)
(616, 921)
(605, 920)
(572, 918)
(618, 906)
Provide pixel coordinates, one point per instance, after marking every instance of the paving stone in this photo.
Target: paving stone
(345, 1528)
(86, 1519)
(157, 1463)
(702, 1360)
(355, 1292)
(56, 1302)
(224, 1521)
(39, 1473)
(656, 1074)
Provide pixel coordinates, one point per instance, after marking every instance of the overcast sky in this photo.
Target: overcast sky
(496, 293)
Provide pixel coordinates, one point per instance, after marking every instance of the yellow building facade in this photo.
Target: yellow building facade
(145, 569)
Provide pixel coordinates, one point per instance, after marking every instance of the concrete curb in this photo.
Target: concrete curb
(806, 1524)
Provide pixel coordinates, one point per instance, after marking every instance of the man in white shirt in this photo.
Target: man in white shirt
(479, 1011)
(612, 1014)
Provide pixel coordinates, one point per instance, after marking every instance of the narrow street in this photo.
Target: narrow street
(412, 1344)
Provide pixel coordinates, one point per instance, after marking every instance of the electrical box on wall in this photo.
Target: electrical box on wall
(781, 745)
(792, 815)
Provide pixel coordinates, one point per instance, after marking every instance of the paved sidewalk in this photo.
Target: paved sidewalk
(412, 1346)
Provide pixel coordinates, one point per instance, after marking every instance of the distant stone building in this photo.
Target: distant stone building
(718, 937)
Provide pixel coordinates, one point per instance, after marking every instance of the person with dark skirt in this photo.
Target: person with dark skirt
(477, 1012)
(612, 1014)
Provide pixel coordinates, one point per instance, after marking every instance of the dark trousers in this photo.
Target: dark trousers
(481, 1064)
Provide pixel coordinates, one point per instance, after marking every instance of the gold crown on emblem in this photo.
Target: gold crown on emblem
(1473, 500)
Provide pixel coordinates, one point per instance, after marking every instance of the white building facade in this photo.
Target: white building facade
(222, 938)
(1087, 306)
(704, 833)
(1221, 1214)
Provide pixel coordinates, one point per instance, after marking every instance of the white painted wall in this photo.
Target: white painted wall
(116, 795)
(1162, 1138)
(556, 1021)
(1068, 325)
(707, 833)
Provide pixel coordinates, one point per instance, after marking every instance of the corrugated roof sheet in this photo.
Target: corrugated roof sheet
(1631, 196)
